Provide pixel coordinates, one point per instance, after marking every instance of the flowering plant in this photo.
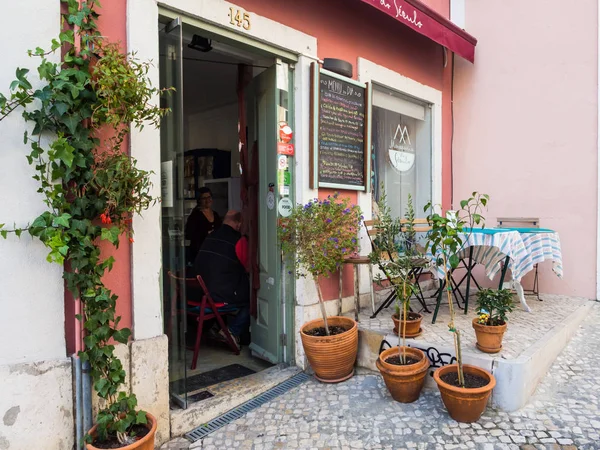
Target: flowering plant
(321, 234)
(493, 306)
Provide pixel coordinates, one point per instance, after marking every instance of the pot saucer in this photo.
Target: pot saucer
(483, 349)
(410, 336)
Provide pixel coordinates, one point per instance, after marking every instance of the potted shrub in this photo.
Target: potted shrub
(403, 368)
(91, 189)
(321, 234)
(492, 307)
(465, 389)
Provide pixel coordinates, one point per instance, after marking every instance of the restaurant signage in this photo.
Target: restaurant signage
(426, 21)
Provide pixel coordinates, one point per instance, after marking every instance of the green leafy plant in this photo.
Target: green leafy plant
(396, 253)
(445, 242)
(493, 306)
(321, 234)
(90, 187)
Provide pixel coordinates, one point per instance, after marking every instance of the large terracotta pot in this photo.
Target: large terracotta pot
(145, 443)
(404, 382)
(489, 338)
(331, 357)
(463, 404)
(413, 327)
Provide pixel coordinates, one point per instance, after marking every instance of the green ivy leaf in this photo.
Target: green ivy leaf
(141, 418)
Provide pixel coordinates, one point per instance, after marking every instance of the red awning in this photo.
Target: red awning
(427, 22)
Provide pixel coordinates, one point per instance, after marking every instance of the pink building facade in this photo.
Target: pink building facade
(520, 124)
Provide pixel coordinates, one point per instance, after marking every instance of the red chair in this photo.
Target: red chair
(205, 309)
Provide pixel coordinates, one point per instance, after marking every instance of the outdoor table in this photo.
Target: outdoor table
(519, 249)
(487, 246)
(541, 244)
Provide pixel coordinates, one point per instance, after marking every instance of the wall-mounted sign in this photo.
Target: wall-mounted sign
(285, 132)
(285, 207)
(340, 139)
(166, 184)
(401, 152)
(285, 149)
(270, 200)
(282, 162)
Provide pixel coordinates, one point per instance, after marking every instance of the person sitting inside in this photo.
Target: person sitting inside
(222, 263)
(201, 222)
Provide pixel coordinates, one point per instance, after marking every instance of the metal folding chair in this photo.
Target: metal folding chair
(203, 310)
(416, 271)
(532, 222)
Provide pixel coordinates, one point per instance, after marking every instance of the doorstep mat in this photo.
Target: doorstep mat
(202, 380)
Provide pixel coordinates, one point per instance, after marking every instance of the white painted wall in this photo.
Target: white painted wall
(215, 128)
(32, 293)
(35, 375)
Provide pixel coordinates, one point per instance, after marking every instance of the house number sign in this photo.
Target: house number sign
(239, 18)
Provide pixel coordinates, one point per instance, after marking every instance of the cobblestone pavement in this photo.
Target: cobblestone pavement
(563, 413)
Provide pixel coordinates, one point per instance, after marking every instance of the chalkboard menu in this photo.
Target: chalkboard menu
(340, 132)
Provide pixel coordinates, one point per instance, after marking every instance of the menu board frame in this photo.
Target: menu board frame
(315, 183)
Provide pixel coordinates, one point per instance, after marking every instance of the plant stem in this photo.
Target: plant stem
(452, 325)
(404, 302)
(322, 305)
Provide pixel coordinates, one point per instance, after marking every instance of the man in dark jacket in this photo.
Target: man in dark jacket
(220, 264)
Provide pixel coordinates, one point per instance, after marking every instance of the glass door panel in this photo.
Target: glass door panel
(173, 215)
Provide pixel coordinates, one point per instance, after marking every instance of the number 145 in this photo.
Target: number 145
(236, 17)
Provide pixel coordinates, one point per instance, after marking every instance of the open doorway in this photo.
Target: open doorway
(219, 153)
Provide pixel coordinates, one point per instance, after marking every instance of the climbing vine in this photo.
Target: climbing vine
(90, 187)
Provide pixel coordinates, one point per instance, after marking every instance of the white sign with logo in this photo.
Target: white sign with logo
(401, 152)
(285, 207)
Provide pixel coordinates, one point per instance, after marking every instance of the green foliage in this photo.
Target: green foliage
(395, 249)
(445, 242)
(493, 306)
(396, 253)
(321, 234)
(91, 189)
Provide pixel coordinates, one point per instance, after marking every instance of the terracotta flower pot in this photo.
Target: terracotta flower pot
(331, 357)
(413, 327)
(145, 443)
(464, 404)
(404, 382)
(489, 338)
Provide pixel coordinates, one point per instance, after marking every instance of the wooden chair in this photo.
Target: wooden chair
(420, 263)
(205, 309)
(531, 222)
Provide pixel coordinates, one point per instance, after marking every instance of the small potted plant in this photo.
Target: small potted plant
(403, 368)
(321, 234)
(465, 389)
(408, 324)
(492, 308)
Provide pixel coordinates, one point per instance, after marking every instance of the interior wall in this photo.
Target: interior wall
(215, 128)
(526, 125)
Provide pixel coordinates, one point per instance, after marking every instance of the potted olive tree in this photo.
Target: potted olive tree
(91, 190)
(403, 368)
(320, 235)
(493, 307)
(465, 389)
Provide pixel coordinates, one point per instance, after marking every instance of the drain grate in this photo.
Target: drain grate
(203, 430)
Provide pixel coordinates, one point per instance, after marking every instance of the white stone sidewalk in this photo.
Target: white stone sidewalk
(563, 413)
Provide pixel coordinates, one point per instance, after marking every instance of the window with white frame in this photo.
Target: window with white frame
(402, 148)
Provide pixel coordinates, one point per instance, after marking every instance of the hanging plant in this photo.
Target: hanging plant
(90, 187)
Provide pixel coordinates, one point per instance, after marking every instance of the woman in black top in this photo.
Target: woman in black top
(201, 222)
